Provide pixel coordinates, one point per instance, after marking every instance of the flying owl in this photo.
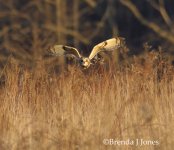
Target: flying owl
(94, 57)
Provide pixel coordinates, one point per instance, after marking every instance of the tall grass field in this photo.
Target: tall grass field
(103, 109)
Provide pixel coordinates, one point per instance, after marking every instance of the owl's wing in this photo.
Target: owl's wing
(108, 45)
(60, 50)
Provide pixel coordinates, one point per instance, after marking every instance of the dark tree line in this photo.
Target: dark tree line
(29, 27)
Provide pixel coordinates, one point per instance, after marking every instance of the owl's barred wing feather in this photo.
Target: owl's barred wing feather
(59, 50)
(108, 45)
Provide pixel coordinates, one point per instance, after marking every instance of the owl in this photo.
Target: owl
(94, 57)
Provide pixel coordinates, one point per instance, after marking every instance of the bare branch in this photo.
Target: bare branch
(91, 3)
(50, 2)
(162, 10)
(76, 20)
(68, 32)
(100, 24)
(154, 4)
(164, 13)
(155, 27)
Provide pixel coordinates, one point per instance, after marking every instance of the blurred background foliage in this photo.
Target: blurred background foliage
(29, 27)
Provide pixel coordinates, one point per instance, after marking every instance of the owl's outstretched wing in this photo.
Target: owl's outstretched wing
(108, 45)
(60, 50)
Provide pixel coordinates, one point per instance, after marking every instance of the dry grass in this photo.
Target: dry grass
(77, 111)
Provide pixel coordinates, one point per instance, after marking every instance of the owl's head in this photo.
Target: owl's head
(85, 62)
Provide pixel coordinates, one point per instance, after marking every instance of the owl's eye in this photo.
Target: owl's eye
(81, 60)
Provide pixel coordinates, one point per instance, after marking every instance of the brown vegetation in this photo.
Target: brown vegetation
(44, 108)
(77, 110)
